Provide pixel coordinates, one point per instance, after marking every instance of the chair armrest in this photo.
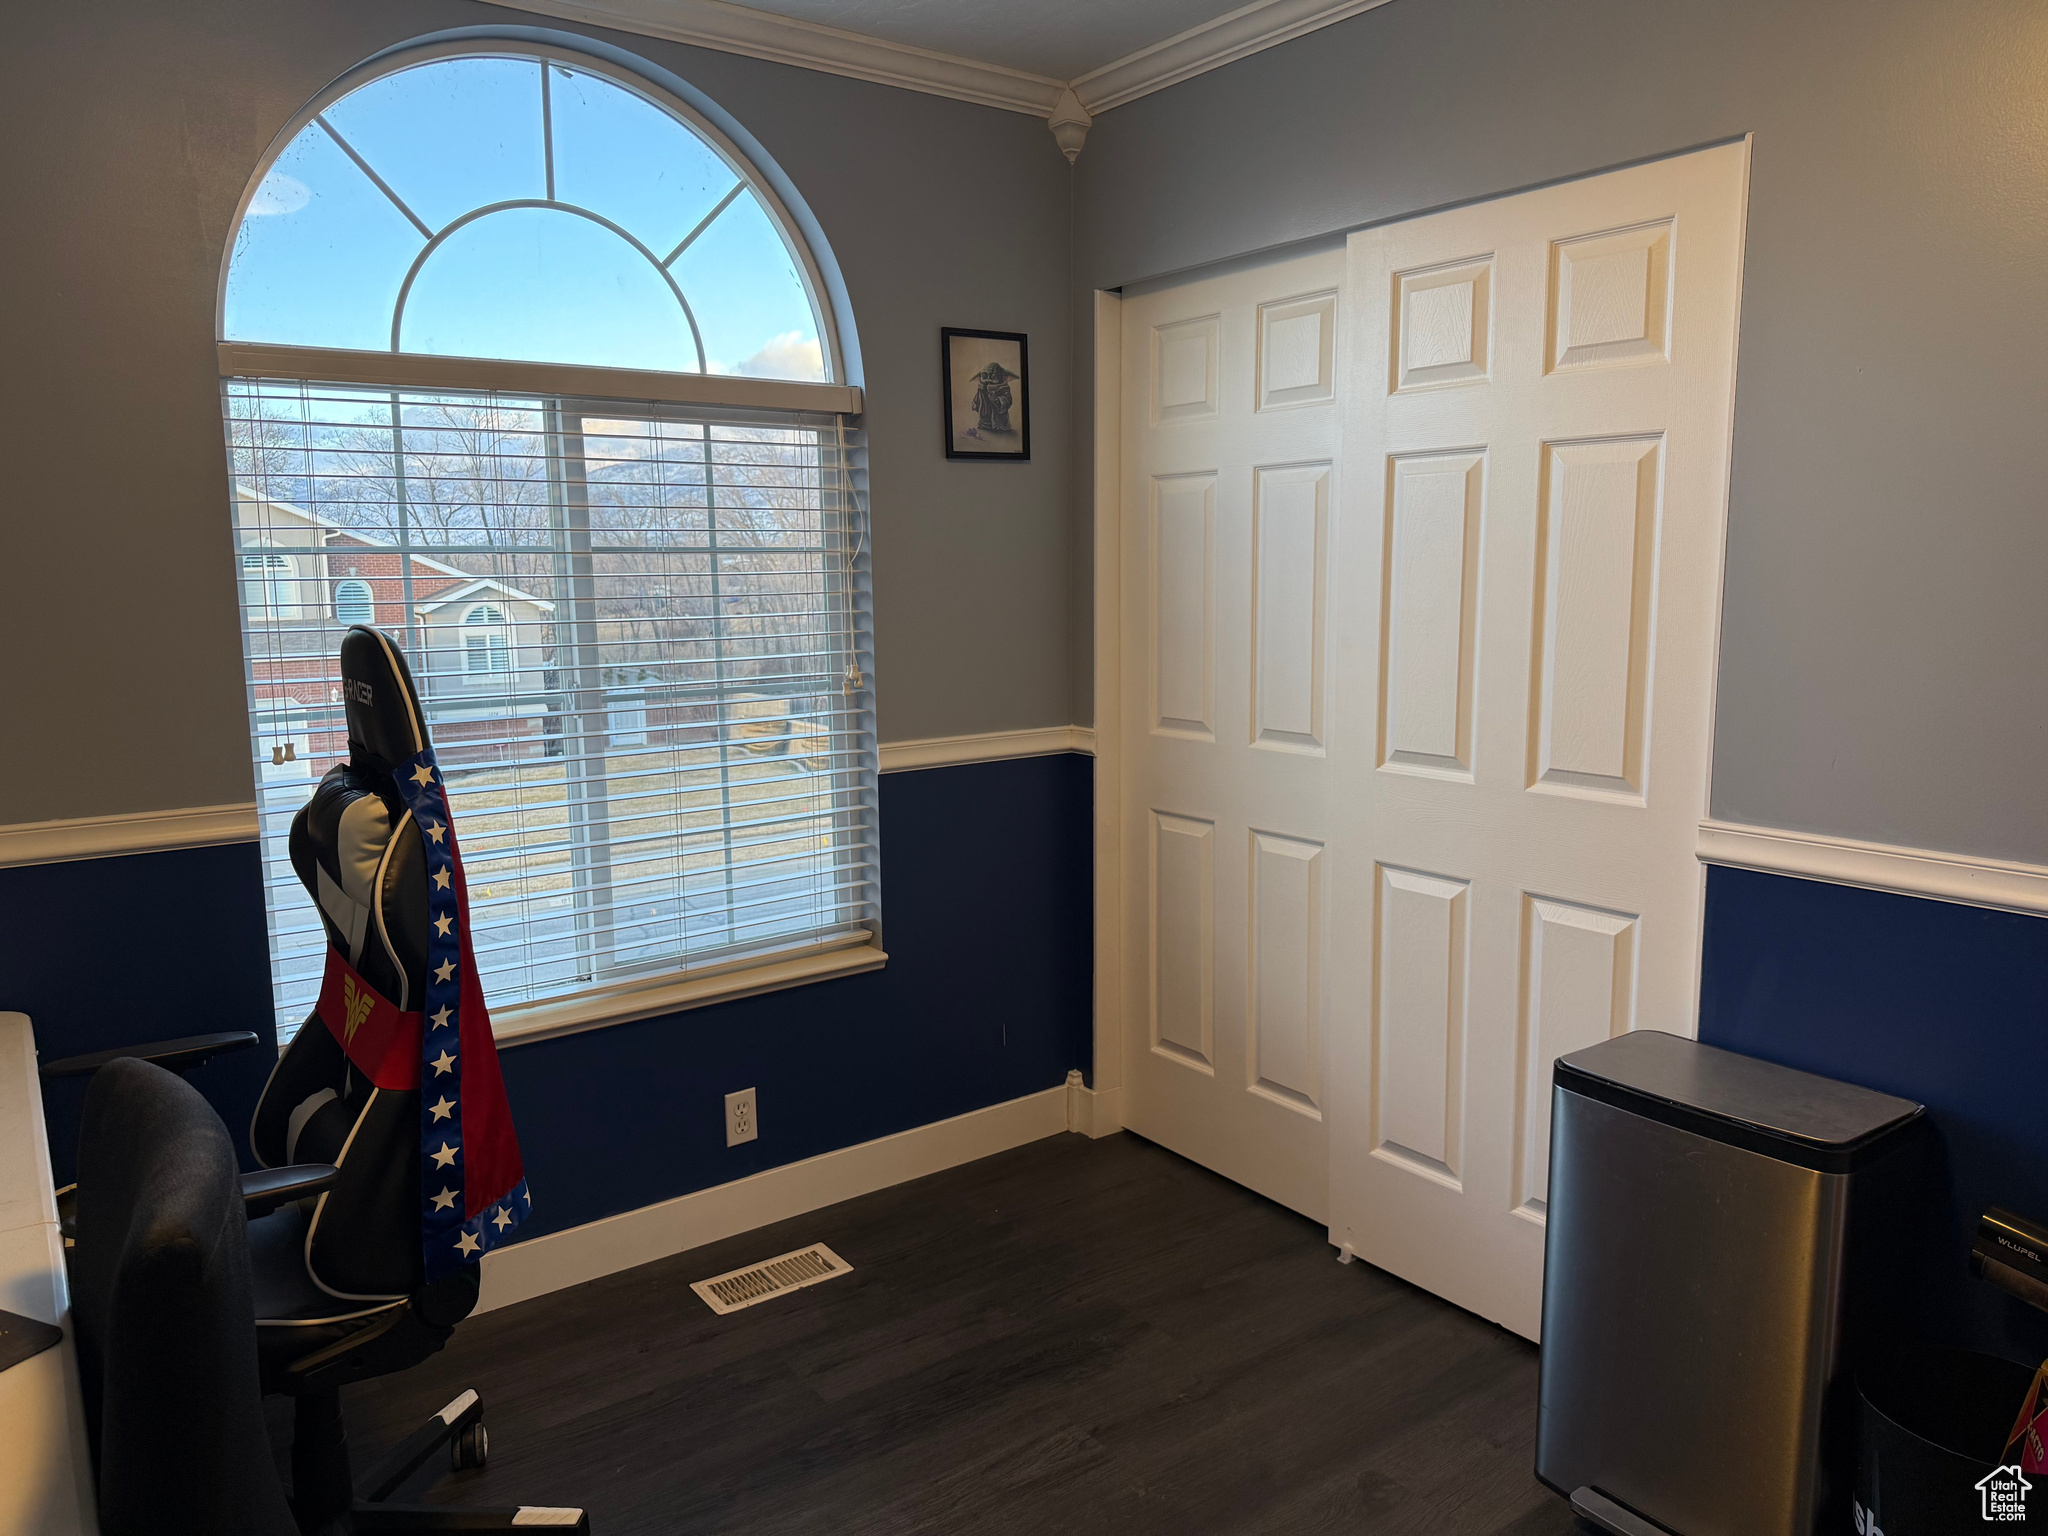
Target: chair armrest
(173, 1055)
(268, 1188)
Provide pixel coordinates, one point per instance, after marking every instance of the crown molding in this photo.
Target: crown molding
(782, 40)
(1260, 25)
(807, 45)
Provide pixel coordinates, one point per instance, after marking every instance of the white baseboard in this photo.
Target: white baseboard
(990, 747)
(599, 1248)
(1093, 1112)
(1877, 866)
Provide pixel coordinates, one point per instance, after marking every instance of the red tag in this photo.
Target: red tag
(383, 1043)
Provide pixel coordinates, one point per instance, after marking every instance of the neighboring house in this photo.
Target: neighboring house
(480, 648)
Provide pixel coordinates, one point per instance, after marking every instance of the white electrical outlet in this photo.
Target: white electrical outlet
(741, 1123)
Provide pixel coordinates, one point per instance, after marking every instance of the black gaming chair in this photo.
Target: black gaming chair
(338, 1288)
(168, 1352)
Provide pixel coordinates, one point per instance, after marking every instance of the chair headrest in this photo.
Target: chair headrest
(386, 726)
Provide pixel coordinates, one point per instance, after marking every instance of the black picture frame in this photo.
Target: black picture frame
(965, 419)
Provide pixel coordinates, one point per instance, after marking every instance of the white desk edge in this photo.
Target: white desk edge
(45, 1466)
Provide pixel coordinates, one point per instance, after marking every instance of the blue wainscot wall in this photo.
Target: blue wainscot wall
(1940, 1003)
(986, 876)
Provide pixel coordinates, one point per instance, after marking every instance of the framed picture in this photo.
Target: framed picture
(988, 395)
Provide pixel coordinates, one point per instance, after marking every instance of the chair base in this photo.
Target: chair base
(324, 1500)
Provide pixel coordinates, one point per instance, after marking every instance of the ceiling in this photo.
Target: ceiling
(1061, 39)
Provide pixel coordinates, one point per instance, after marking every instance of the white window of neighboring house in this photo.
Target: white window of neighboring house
(626, 718)
(486, 642)
(503, 313)
(269, 590)
(353, 603)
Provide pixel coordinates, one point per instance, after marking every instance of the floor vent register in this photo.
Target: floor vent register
(771, 1278)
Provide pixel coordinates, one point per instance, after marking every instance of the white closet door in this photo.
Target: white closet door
(1229, 444)
(1536, 435)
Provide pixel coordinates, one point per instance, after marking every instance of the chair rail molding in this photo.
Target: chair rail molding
(1955, 877)
(1067, 105)
(204, 826)
(989, 747)
(98, 837)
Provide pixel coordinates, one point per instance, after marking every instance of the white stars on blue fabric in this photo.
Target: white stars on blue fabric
(450, 1237)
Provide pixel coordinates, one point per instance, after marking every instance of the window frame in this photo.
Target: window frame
(601, 1003)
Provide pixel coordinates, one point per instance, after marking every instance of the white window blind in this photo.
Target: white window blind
(664, 759)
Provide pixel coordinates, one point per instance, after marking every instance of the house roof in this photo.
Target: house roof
(471, 582)
(471, 588)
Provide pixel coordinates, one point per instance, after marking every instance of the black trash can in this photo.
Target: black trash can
(1931, 1425)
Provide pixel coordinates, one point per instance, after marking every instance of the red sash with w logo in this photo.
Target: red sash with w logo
(382, 1043)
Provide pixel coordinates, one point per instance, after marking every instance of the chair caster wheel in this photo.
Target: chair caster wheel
(471, 1448)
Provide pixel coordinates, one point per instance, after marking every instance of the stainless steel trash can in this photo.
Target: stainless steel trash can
(1723, 1235)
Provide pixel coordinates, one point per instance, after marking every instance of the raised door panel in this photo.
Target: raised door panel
(1183, 605)
(1285, 1003)
(1297, 351)
(1429, 607)
(1442, 329)
(1184, 939)
(1186, 369)
(1610, 297)
(1290, 543)
(1578, 989)
(1419, 959)
(1597, 546)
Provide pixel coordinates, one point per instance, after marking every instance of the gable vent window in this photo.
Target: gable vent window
(485, 647)
(610, 506)
(353, 603)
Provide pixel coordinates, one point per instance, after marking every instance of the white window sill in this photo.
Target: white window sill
(594, 1009)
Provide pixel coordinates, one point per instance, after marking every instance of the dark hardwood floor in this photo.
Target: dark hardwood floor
(1073, 1336)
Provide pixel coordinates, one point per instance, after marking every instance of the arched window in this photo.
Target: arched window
(486, 644)
(531, 205)
(268, 588)
(526, 336)
(353, 603)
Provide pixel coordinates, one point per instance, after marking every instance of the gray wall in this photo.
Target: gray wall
(130, 129)
(1884, 654)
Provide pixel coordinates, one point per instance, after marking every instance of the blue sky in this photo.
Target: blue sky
(323, 252)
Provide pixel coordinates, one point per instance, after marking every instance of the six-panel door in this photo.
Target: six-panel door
(1529, 557)
(1229, 444)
